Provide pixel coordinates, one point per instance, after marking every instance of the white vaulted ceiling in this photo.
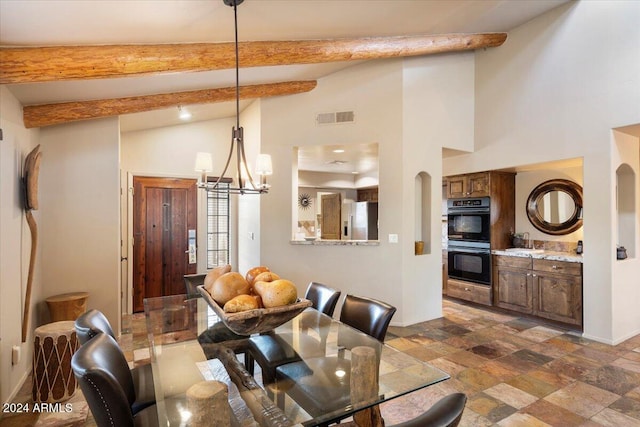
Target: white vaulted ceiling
(84, 22)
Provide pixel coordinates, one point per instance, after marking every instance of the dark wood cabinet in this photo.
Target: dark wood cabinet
(544, 288)
(469, 291)
(368, 194)
(445, 271)
(512, 280)
(469, 185)
(558, 290)
(501, 188)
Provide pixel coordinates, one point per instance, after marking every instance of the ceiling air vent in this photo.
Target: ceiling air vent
(333, 118)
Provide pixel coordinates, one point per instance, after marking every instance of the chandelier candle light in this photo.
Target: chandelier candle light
(204, 163)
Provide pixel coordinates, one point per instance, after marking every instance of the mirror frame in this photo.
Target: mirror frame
(569, 226)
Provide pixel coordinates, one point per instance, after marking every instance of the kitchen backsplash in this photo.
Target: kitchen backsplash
(556, 246)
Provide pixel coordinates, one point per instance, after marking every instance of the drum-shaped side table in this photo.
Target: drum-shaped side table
(67, 306)
(54, 345)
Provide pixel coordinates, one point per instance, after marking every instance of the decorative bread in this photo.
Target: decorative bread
(241, 303)
(252, 273)
(212, 276)
(228, 286)
(266, 276)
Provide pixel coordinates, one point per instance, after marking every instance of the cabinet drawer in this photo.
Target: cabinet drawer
(563, 267)
(512, 261)
(469, 291)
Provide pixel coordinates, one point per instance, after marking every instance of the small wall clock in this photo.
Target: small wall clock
(304, 201)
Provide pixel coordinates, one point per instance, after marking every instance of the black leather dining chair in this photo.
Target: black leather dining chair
(92, 323)
(367, 315)
(323, 298)
(312, 383)
(105, 380)
(271, 350)
(446, 412)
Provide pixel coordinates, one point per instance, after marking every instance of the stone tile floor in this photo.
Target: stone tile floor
(515, 371)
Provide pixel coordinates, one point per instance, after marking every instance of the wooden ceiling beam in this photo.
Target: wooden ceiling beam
(54, 63)
(52, 114)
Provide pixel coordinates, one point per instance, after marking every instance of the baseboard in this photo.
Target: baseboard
(611, 342)
(18, 387)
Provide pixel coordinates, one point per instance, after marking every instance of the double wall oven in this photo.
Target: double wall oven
(469, 235)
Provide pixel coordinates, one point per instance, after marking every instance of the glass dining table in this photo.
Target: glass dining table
(336, 372)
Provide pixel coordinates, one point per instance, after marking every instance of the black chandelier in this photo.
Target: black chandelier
(204, 163)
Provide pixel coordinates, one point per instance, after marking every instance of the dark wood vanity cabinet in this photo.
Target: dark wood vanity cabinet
(543, 288)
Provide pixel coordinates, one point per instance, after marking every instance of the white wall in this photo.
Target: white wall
(79, 196)
(438, 111)
(554, 90)
(410, 108)
(171, 152)
(374, 92)
(625, 291)
(15, 247)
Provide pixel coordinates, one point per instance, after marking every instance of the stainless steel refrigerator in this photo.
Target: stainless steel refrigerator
(364, 221)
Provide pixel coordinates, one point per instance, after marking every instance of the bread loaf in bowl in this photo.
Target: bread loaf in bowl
(229, 286)
(241, 303)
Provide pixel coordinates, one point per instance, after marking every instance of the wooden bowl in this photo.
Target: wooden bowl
(255, 321)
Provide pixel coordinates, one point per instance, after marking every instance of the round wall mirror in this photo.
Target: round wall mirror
(555, 207)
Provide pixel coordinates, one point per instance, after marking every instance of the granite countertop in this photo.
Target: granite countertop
(320, 242)
(550, 255)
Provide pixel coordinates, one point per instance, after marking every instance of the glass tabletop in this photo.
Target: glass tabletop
(332, 370)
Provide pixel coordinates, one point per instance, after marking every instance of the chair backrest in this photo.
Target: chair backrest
(105, 380)
(91, 323)
(323, 297)
(367, 315)
(192, 281)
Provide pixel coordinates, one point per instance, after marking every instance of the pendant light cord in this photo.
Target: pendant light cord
(235, 20)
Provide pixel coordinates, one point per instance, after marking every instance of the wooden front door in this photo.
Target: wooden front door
(164, 210)
(331, 214)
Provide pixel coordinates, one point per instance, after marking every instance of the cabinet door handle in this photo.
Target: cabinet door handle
(534, 275)
(528, 274)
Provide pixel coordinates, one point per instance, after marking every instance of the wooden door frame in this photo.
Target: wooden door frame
(178, 182)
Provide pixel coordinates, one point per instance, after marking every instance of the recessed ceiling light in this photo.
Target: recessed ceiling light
(355, 172)
(338, 150)
(184, 114)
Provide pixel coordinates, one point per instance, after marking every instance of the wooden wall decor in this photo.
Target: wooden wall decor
(30, 182)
